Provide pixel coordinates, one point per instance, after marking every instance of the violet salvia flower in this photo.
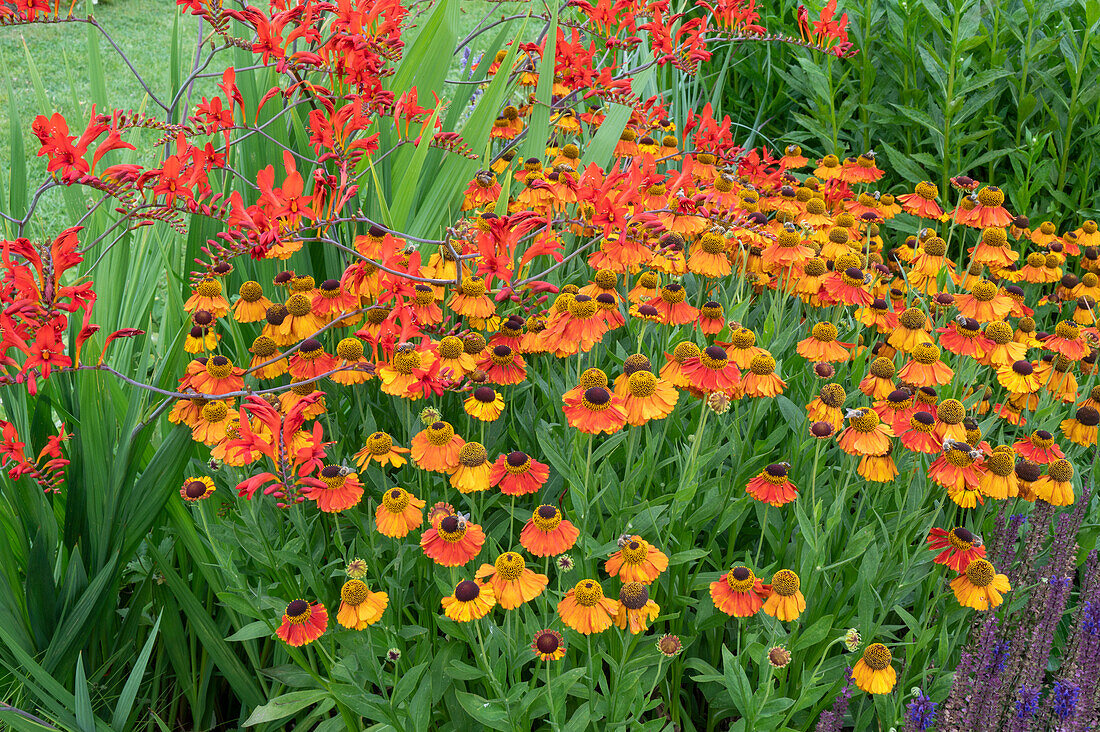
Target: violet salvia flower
(920, 714)
(832, 720)
(1045, 620)
(1027, 703)
(1005, 555)
(976, 692)
(1064, 696)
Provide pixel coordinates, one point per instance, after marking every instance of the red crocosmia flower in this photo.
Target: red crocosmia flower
(957, 548)
(303, 623)
(518, 474)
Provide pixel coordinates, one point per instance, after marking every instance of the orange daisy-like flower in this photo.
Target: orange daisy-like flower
(380, 449)
(359, 607)
(873, 672)
(472, 473)
(712, 371)
(671, 306)
(957, 470)
(979, 586)
(452, 540)
(957, 548)
(597, 410)
(1056, 487)
(548, 645)
(547, 534)
(436, 448)
(879, 382)
(518, 474)
(999, 479)
(356, 368)
(849, 287)
(865, 434)
(252, 305)
(1019, 377)
(636, 561)
(738, 592)
(470, 601)
(771, 485)
(708, 256)
(785, 601)
(339, 489)
(512, 582)
(218, 376)
(760, 380)
(585, 609)
(484, 403)
(984, 303)
(302, 623)
(825, 407)
(472, 299)
(712, 319)
(1039, 447)
(503, 365)
(989, 210)
(823, 346)
(673, 370)
(264, 350)
(1066, 340)
(922, 202)
(398, 513)
(646, 397)
(911, 330)
(207, 295)
(925, 368)
(196, 489)
(1082, 428)
(635, 609)
(310, 361)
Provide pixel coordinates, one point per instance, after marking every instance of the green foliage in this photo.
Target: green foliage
(997, 90)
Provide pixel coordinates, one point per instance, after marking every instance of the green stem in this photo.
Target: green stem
(550, 698)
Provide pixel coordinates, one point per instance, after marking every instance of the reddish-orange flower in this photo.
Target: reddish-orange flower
(738, 593)
(518, 474)
(957, 548)
(452, 540)
(302, 623)
(547, 534)
(771, 485)
(595, 411)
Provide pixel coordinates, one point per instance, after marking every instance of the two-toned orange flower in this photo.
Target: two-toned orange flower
(512, 582)
(738, 592)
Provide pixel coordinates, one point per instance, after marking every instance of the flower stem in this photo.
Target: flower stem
(550, 698)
